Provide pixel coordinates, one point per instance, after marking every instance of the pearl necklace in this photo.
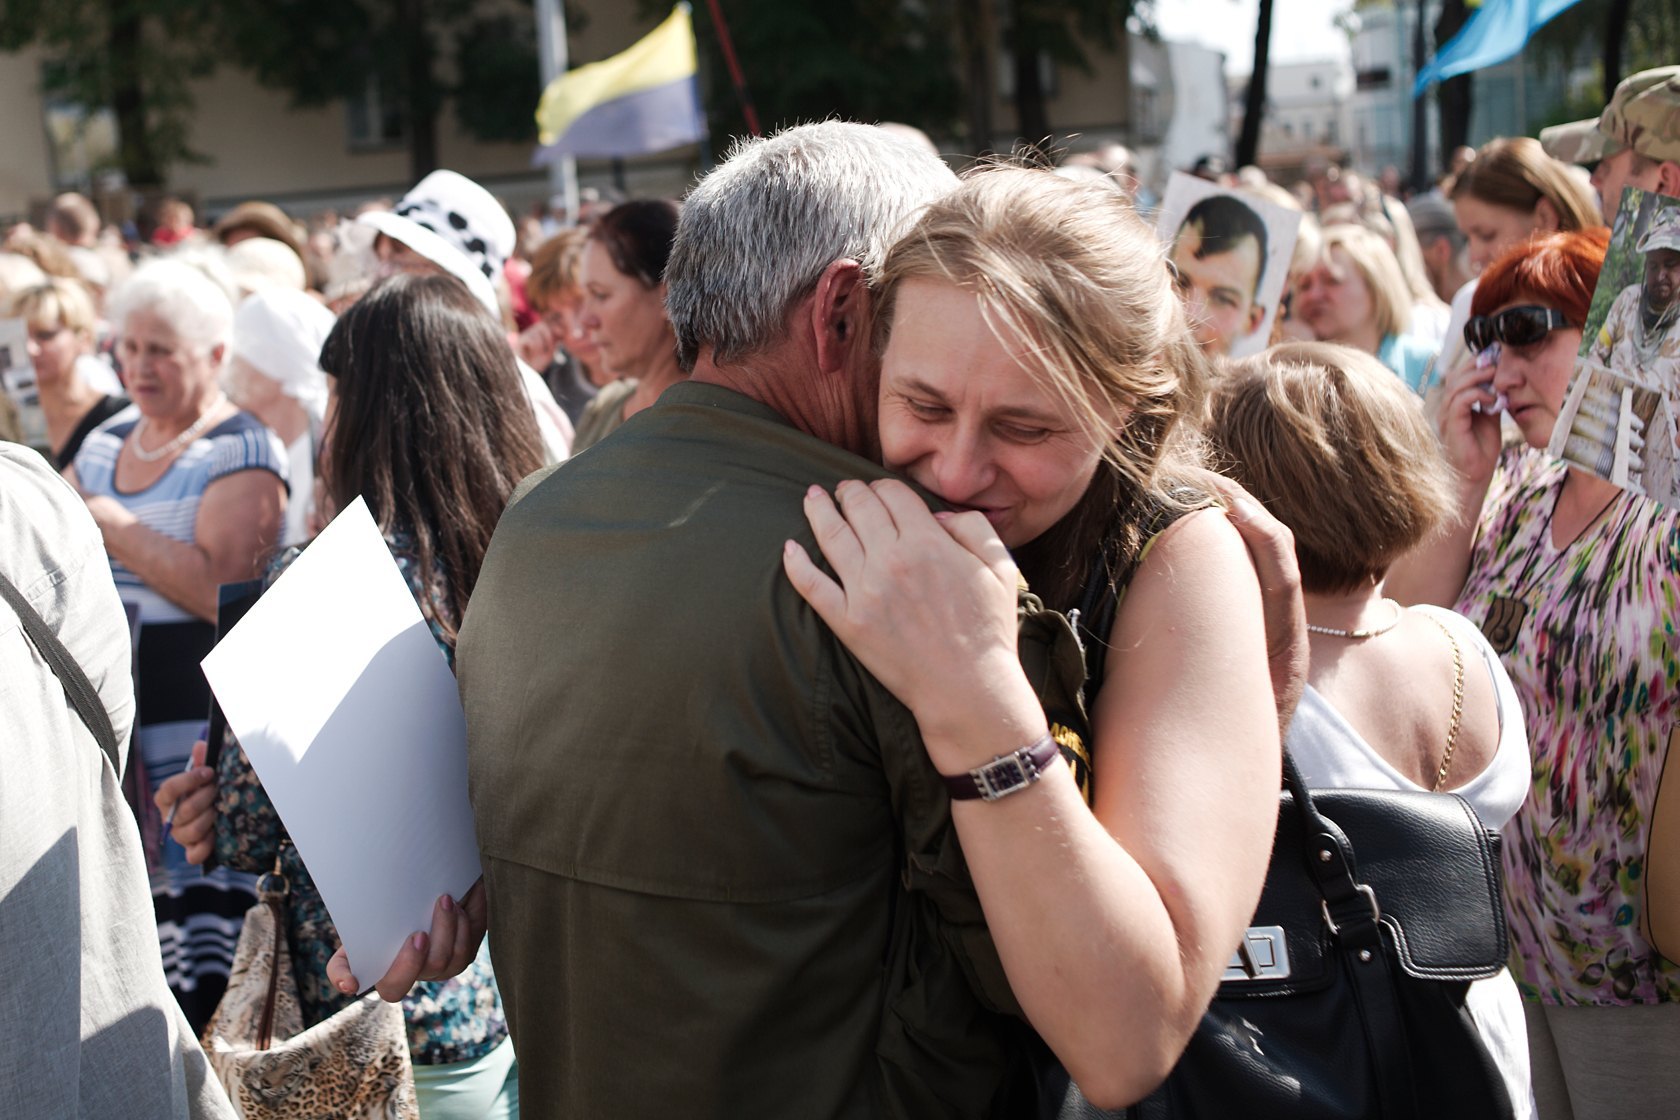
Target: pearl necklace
(1399, 613)
(179, 441)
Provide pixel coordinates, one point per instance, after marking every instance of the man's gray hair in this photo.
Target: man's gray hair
(757, 233)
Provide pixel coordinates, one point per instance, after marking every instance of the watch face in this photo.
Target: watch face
(1004, 775)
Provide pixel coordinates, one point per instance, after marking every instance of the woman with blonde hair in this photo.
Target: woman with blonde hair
(78, 391)
(1511, 192)
(1356, 294)
(1037, 370)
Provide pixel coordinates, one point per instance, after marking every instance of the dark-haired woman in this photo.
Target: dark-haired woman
(1575, 583)
(624, 312)
(420, 375)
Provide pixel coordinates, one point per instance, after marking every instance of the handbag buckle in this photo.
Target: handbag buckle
(1263, 954)
(1370, 897)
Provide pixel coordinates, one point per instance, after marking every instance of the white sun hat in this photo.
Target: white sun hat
(457, 225)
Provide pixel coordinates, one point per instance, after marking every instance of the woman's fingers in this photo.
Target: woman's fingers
(835, 536)
(339, 974)
(975, 534)
(195, 816)
(824, 595)
(866, 513)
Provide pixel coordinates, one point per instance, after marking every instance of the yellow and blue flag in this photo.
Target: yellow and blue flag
(643, 99)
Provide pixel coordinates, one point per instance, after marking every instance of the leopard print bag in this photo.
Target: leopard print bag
(354, 1065)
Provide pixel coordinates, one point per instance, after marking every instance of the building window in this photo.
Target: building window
(1377, 77)
(370, 122)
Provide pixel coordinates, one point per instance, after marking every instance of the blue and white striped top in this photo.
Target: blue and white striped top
(170, 505)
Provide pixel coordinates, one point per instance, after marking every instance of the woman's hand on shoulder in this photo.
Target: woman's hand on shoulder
(926, 602)
(1271, 547)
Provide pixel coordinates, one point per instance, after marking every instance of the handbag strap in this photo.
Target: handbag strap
(77, 688)
(1353, 916)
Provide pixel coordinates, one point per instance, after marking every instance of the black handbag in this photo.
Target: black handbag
(1347, 996)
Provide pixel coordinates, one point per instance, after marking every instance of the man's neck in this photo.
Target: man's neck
(788, 380)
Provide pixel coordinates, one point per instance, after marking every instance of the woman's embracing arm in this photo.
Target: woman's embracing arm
(1113, 927)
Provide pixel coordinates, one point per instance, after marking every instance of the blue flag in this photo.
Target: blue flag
(1495, 33)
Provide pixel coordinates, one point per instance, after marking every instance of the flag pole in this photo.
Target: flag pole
(722, 27)
(551, 52)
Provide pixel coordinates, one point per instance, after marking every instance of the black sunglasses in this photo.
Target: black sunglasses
(1515, 326)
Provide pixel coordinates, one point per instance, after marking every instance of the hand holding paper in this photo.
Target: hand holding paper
(349, 714)
(457, 931)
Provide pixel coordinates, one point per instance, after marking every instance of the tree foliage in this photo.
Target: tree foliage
(1651, 37)
(135, 57)
(140, 57)
(812, 59)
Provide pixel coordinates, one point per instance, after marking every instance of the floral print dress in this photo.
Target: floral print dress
(455, 1020)
(1588, 636)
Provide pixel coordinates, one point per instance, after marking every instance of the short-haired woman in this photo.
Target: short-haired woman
(1355, 294)
(623, 274)
(1341, 453)
(1577, 585)
(190, 493)
(78, 391)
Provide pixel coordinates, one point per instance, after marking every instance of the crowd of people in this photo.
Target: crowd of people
(726, 513)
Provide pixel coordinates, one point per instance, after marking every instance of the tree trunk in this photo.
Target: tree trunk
(1420, 107)
(1032, 120)
(420, 87)
(1254, 106)
(124, 43)
(1615, 34)
(1454, 96)
(977, 37)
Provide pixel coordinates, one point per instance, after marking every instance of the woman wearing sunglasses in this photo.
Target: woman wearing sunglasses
(1575, 583)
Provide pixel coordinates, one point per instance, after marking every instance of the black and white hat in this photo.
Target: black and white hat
(457, 225)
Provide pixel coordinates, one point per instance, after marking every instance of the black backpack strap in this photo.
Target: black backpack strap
(77, 688)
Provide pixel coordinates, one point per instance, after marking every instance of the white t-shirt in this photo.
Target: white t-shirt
(1330, 754)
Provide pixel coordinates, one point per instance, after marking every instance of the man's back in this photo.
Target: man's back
(696, 809)
(87, 1023)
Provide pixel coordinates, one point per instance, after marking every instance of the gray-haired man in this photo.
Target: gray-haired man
(718, 872)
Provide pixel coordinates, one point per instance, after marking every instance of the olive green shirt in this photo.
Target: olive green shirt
(722, 876)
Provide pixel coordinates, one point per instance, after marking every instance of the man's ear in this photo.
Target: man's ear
(1256, 316)
(1668, 178)
(839, 314)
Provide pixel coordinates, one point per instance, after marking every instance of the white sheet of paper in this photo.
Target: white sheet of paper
(349, 714)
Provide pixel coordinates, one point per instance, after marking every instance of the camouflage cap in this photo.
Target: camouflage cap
(1664, 232)
(1643, 114)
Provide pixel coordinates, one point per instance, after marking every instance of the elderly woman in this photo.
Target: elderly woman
(275, 374)
(189, 494)
(624, 312)
(1285, 421)
(78, 391)
(1575, 582)
(1355, 294)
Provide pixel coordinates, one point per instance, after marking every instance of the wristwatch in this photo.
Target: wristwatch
(1005, 774)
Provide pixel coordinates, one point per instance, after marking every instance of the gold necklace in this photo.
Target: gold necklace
(1372, 632)
(178, 442)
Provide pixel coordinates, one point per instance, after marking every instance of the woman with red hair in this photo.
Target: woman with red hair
(1576, 584)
